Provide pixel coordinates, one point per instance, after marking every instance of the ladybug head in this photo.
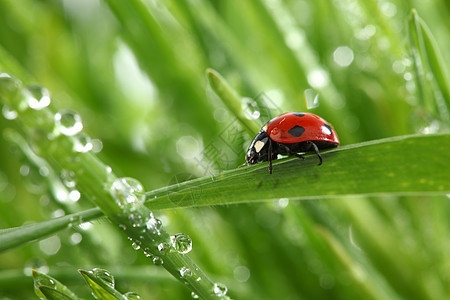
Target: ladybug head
(258, 149)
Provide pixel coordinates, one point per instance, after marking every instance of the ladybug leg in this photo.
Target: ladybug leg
(270, 156)
(297, 155)
(316, 150)
(290, 153)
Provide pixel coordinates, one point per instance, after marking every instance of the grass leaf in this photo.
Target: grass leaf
(429, 61)
(405, 165)
(19, 236)
(51, 288)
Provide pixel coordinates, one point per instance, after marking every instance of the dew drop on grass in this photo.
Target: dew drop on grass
(136, 220)
(9, 113)
(132, 296)
(194, 295)
(148, 252)
(11, 89)
(104, 275)
(128, 192)
(82, 143)
(163, 248)
(44, 281)
(154, 225)
(37, 97)
(182, 243)
(185, 272)
(136, 246)
(157, 260)
(220, 289)
(250, 108)
(68, 122)
(68, 178)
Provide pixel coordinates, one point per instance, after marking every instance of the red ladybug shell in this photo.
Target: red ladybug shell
(295, 127)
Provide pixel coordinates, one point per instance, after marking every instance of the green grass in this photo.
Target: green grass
(160, 88)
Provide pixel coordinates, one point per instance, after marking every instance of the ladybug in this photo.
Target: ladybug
(289, 134)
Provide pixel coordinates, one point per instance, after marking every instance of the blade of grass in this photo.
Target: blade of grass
(435, 91)
(405, 165)
(50, 287)
(19, 236)
(231, 100)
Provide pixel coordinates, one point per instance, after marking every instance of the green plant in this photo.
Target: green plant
(377, 227)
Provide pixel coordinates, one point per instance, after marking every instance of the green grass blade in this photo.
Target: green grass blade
(18, 236)
(231, 100)
(429, 61)
(405, 165)
(100, 288)
(51, 288)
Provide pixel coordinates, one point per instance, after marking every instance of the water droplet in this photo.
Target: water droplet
(132, 296)
(128, 192)
(35, 264)
(136, 245)
(157, 260)
(182, 243)
(97, 145)
(136, 220)
(154, 225)
(82, 143)
(68, 178)
(312, 98)
(148, 252)
(194, 295)
(318, 78)
(250, 108)
(220, 289)
(343, 56)
(163, 248)
(68, 122)
(44, 281)
(9, 113)
(76, 238)
(283, 202)
(37, 97)
(85, 226)
(104, 275)
(44, 171)
(11, 91)
(366, 33)
(74, 195)
(51, 245)
(185, 272)
(241, 273)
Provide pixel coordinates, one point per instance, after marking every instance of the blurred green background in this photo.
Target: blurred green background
(135, 72)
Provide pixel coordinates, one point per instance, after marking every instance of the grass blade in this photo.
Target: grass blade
(231, 100)
(51, 288)
(18, 236)
(406, 165)
(429, 61)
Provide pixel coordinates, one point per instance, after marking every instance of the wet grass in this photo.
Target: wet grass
(136, 74)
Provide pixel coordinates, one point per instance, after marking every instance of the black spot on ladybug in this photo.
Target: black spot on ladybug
(296, 131)
(298, 114)
(327, 126)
